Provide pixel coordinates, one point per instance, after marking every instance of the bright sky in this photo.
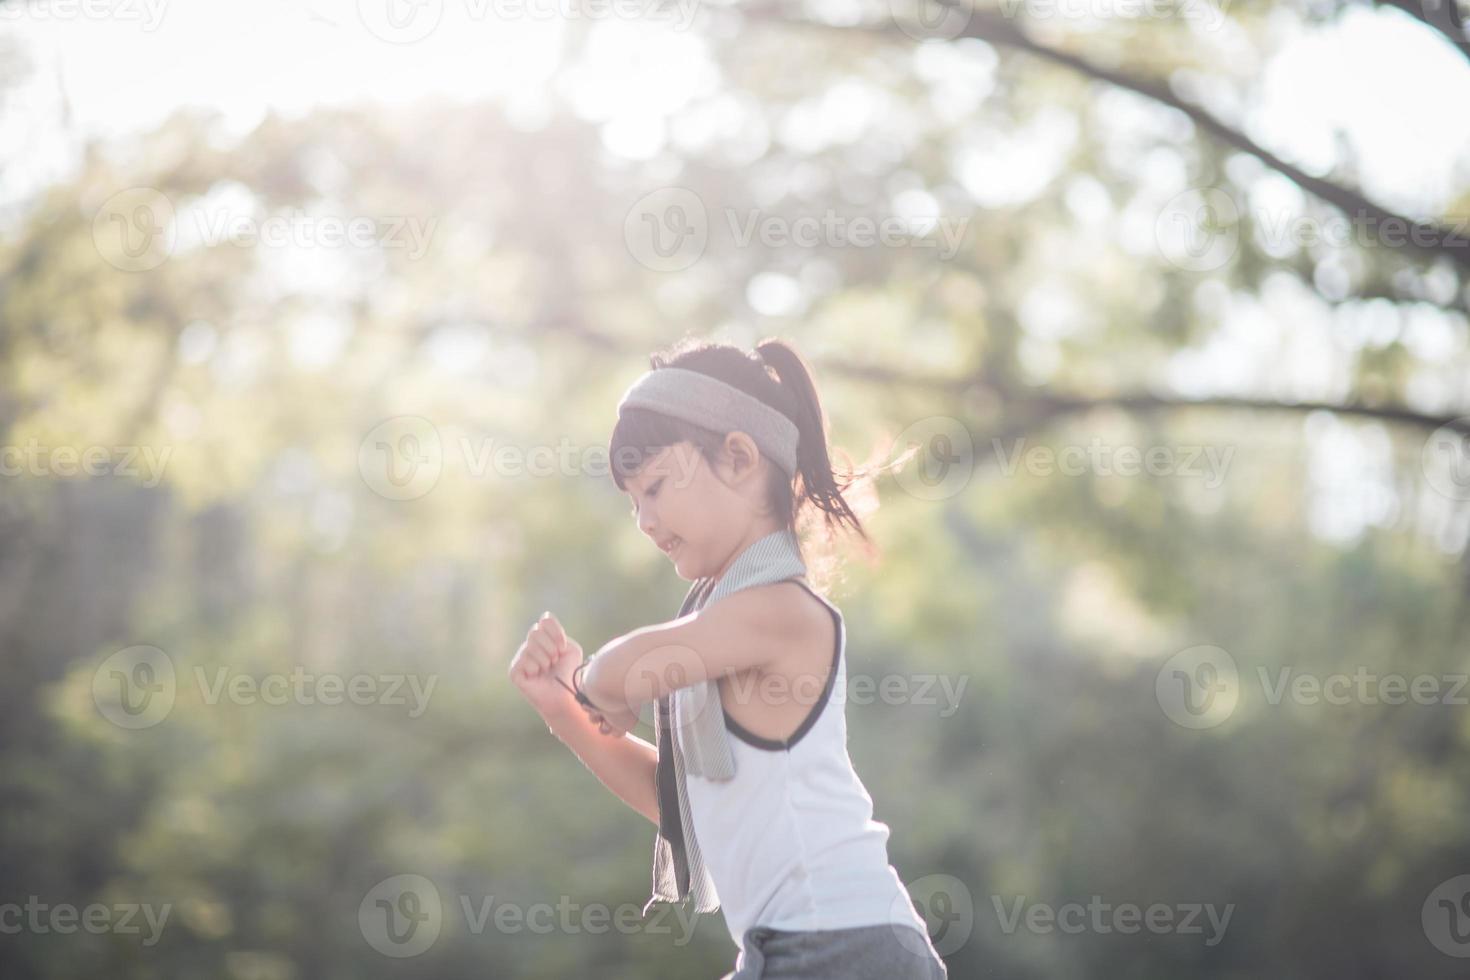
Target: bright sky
(1375, 81)
(129, 71)
(1396, 91)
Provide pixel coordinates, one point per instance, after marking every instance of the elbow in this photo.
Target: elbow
(604, 680)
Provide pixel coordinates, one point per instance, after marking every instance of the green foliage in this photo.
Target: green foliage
(255, 543)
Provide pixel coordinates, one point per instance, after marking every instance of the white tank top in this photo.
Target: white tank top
(790, 842)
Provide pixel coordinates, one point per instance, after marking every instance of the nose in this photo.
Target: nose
(645, 524)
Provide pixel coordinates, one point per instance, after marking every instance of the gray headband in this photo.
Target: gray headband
(709, 402)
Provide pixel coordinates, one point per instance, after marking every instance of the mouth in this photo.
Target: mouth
(671, 546)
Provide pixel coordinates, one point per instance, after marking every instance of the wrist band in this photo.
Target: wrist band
(577, 684)
(576, 688)
(576, 691)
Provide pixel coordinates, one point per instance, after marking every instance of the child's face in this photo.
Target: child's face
(676, 501)
(698, 515)
(666, 503)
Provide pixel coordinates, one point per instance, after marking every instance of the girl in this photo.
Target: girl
(759, 810)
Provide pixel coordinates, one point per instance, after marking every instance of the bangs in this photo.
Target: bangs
(640, 433)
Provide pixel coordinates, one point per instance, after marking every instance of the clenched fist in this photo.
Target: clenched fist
(542, 668)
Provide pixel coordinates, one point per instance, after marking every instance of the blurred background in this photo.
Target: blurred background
(313, 320)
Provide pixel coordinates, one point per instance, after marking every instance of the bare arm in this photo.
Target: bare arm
(749, 629)
(541, 671)
(625, 763)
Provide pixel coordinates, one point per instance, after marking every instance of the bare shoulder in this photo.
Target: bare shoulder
(782, 614)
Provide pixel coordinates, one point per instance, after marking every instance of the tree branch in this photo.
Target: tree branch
(1042, 405)
(1430, 238)
(1444, 18)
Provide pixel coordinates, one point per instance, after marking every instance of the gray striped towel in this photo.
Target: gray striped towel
(702, 747)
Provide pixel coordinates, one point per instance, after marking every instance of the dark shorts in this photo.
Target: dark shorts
(882, 952)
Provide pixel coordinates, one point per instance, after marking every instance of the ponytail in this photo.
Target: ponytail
(818, 484)
(816, 501)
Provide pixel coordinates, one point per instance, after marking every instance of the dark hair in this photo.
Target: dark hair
(777, 375)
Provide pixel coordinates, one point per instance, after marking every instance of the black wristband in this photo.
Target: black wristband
(577, 691)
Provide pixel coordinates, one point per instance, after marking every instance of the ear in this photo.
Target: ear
(741, 456)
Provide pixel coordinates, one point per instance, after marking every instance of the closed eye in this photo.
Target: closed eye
(652, 491)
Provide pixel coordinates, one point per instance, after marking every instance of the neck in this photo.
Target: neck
(754, 533)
